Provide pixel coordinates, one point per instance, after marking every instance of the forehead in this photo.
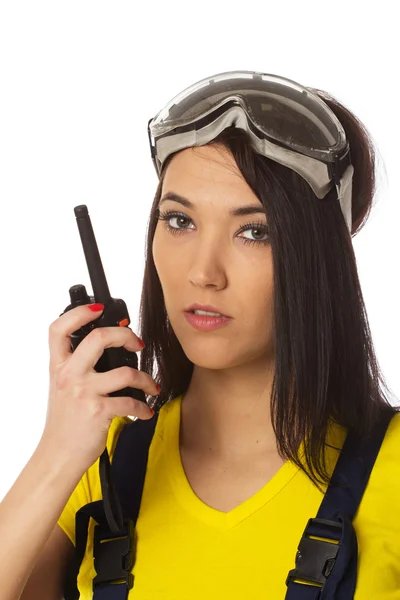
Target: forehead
(206, 170)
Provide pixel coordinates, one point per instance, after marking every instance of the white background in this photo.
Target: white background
(79, 82)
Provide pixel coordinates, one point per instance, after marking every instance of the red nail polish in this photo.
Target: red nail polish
(96, 307)
(158, 388)
(141, 342)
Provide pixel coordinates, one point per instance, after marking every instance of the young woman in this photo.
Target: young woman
(262, 184)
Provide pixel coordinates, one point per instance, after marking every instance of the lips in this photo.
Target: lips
(207, 308)
(206, 322)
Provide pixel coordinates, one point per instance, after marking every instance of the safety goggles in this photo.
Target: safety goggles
(286, 122)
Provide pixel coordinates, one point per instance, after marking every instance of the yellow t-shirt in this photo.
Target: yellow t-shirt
(187, 550)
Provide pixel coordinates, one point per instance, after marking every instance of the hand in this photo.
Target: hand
(79, 412)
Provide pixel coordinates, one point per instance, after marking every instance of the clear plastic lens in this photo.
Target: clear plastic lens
(280, 108)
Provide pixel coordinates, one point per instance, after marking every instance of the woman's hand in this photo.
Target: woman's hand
(79, 412)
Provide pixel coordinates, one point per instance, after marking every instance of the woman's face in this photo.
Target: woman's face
(210, 261)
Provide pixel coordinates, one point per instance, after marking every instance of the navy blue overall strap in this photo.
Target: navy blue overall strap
(111, 557)
(82, 517)
(128, 467)
(332, 565)
(113, 553)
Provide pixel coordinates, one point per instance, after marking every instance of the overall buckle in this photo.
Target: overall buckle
(113, 555)
(315, 558)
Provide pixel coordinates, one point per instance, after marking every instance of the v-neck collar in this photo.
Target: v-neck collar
(192, 503)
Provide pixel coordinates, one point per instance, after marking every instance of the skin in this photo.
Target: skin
(225, 411)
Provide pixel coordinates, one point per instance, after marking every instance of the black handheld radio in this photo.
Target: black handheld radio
(115, 313)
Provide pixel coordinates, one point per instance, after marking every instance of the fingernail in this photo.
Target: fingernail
(96, 307)
(141, 342)
(152, 412)
(158, 388)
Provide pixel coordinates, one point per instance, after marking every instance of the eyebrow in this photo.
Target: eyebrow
(234, 212)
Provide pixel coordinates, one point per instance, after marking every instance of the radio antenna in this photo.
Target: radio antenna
(93, 260)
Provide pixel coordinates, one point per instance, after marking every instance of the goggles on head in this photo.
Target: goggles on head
(285, 121)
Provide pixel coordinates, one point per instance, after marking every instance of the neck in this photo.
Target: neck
(226, 413)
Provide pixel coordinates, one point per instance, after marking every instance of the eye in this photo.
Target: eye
(258, 227)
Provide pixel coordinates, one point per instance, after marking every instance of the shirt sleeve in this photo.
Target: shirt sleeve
(88, 488)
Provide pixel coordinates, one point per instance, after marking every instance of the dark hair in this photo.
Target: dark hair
(326, 367)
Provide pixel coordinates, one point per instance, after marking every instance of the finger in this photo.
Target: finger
(124, 406)
(93, 345)
(121, 377)
(61, 329)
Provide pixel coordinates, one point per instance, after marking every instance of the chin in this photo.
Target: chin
(212, 363)
(211, 355)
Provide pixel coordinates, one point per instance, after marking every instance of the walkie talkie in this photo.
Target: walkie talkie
(115, 313)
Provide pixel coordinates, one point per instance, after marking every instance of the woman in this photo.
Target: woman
(252, 219)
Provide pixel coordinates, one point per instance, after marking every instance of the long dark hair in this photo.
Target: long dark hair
(326, 368)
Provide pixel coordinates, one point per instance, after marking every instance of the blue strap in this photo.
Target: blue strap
(96, 511)
(128, 472)
(113, 553)
(129, 464)
(112, 592)
(332, 566)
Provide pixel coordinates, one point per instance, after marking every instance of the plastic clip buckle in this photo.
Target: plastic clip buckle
(113, 555)
(315, 559)
(337, 168)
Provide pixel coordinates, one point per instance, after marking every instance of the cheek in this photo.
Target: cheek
(257, 279)
(167, 261)
(257, 293)
(155, 252)
(160, 256)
